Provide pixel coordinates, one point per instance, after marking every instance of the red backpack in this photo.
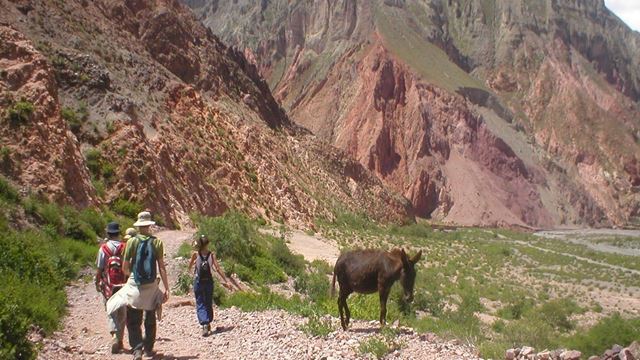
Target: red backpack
(113, 274)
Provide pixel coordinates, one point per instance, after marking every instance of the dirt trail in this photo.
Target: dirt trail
(272, 334)
(312, 247)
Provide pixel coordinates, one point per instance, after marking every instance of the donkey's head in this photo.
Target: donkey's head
(408, 274)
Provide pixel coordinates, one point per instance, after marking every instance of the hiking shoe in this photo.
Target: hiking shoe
(148, 353)
(137, 354)
(205, 331)
(116, 345)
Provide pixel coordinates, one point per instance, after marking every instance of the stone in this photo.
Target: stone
(626, 354)
(545, 355)
(510, 354)
(570, 355)
(634, 349)
(526, 350)
(594, 357)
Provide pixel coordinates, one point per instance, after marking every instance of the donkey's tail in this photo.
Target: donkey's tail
(333, 284)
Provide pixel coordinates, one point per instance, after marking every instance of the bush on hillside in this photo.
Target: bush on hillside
(35, 266)
(611, 330)
(20, 112)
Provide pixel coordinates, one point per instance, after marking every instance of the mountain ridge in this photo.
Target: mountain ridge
(555, 75)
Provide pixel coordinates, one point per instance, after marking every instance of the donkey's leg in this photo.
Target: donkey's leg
(346, 308)
(384, 295)
(341, 305)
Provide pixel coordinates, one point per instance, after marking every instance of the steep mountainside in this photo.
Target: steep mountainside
(478, 111)
(136, 100)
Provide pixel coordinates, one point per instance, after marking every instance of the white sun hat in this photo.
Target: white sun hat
(144, 219)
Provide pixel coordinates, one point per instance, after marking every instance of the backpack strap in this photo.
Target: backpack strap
(106, 250)
(119, 249)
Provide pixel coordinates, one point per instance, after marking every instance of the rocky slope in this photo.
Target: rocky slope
(136, 100)
(479, 112)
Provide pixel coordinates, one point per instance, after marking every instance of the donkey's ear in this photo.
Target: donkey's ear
(404, 257)
(416, 258)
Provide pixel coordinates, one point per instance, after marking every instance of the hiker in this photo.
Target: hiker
(205, 264)
(109, 279)
(143, 259)
(129, 233)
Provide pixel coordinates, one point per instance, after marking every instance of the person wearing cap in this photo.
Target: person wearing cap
(109, 278)
(141, 294)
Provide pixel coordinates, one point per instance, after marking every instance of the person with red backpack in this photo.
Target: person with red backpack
(110, 278)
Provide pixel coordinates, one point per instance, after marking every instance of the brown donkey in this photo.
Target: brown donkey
(368, 271)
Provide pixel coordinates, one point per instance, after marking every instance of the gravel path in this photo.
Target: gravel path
(270, 334)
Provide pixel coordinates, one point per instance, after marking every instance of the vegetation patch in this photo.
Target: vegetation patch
(20, 112)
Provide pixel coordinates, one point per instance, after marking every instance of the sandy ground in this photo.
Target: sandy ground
(312, 247)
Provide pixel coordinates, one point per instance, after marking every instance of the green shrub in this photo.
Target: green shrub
(94, 219)
(533, 332)
(77, 229)
(71, 118)
(127, 208)
(20, 112)
(322, 267)
(268, 300)
(14, 326)
(516, 309)
(233, 235)
(7, 191)
(380, 345)
(183, 283)
(375, 346)
(5, 155)
(611, 330)
(267, 272)
(219, 294)
(557, 313)
(413, 230)
(313, 284)
(93, 158)
(317, 326)
(184, 251)
(50, 214)
(291, 263)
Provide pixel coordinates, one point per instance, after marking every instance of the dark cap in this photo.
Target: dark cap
(113, 228)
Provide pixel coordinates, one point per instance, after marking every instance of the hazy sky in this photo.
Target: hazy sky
(627, 10)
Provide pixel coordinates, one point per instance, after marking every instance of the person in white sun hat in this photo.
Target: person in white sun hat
(143, 260)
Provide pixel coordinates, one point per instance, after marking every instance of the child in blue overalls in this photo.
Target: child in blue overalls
(205, 264)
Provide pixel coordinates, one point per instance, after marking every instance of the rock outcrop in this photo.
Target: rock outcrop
(39, 150)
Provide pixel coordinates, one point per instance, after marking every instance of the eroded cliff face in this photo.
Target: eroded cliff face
(157, 110)
(499, 112)
(40, 151)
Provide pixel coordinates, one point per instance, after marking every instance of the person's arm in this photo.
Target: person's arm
(217, 266)
(163, 270)
(126, 268)
(98, 279)
(99, 267)
(192, 261)
(126, 259)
